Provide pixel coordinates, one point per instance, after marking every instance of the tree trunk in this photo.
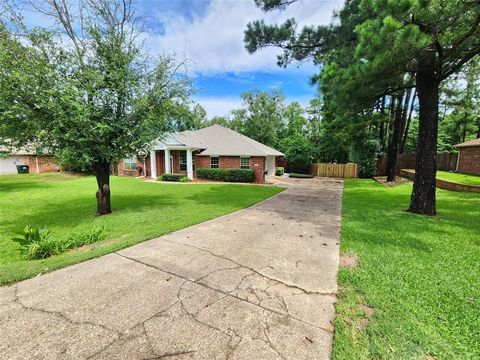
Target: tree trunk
(102, 173)
(423, 195)
(407, 127)
(381, 134)
(394, 142)
(406, 104)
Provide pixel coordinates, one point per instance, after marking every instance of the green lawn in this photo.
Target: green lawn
(459, 178)
(415, 293)
(141, 210)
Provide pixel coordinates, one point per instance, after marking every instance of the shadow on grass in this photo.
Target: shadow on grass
(19, 182)
(451, 205)
(378, 216)
(83, 208)
(24, 185)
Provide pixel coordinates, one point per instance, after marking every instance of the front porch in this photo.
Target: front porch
(172, 160)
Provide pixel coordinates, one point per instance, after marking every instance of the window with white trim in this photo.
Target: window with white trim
(214, 162)
(183, 160)
(244, 162)
(130, 163)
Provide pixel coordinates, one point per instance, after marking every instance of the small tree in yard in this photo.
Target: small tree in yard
(105, 99)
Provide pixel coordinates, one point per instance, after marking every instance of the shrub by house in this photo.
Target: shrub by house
(229, 175)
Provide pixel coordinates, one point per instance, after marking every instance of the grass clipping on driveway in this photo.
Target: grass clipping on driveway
(65, 205)
(415, 292)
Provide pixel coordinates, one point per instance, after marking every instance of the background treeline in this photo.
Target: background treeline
(309, 134)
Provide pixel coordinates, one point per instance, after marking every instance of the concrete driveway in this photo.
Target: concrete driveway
(256, 284)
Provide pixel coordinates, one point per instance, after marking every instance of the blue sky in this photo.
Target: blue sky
(210, 34)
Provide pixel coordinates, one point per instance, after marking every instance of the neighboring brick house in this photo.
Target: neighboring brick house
(469, 157)
(133, 166)
(210, 147)
(36, 163)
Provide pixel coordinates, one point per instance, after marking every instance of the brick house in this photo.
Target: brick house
(24, 156)
(211, 147)
(133, 166)
(469, 157)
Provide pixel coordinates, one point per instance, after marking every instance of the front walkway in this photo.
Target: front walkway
(256, 284)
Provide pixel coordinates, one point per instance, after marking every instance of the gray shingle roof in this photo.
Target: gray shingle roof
(218, 140)
(474, 142)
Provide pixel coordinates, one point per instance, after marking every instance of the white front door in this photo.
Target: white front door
(270, 165)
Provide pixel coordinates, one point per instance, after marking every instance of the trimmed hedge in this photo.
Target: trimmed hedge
(229, 175)
(279, 171)
(301, 176)
(171, 177)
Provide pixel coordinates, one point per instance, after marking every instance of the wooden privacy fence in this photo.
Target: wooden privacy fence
(445, 162)
(334, 170)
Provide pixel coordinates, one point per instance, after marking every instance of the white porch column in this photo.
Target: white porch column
(153, 165)
(189, 164)
(167, 161)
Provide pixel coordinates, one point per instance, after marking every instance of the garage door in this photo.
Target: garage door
(8, 165)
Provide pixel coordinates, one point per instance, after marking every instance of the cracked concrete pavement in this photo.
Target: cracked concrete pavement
(259, 283)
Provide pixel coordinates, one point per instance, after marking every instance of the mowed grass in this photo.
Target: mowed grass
(459, 178)
(415, 293)
(66, 205)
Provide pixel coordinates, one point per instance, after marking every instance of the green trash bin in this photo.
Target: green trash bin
(23, 169)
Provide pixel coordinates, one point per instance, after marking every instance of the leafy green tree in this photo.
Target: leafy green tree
(294, 138)
(111, 100)
(185, 117)
(265, 118)
(314, 124)
(298, 151)
(217, 120)
(261, 116)
(294, 120)
(24, 71)
(364, 152)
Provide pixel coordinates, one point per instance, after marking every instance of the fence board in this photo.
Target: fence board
(445, 162)
(334, 170)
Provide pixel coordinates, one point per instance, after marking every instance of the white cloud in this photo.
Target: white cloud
(219, 106)
(214, 40)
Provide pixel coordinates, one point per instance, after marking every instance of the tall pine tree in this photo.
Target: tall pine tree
(427, 39)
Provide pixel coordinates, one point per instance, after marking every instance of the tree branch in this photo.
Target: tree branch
(455, 67)
(466, 36)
